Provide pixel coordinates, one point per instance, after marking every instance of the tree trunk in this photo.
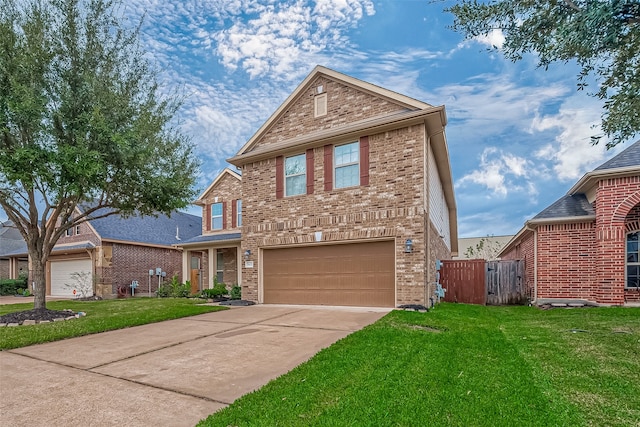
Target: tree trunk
(38, 280)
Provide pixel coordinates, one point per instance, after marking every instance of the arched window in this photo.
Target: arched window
(633, 260)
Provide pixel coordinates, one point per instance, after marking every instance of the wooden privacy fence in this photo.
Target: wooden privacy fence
(477, 281)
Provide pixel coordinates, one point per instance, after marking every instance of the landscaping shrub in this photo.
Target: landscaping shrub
(11, 286)
(174, 289)
(236, 292)
(218, 290)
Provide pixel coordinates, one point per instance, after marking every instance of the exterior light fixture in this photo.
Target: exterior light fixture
(408, 246)
(247, 254)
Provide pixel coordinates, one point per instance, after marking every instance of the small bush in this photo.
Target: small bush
(174, 289)
(11, 286)
(218, 290)
(236, 292)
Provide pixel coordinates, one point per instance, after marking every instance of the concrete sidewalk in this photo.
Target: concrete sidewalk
(171, 373)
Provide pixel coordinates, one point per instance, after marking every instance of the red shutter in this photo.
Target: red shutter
(224, 215)
(310, 171)
(208, 215)
(328, 167)
(364, 160)
(234, 213)
(279, 177)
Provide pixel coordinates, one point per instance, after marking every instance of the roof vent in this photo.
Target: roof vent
(177, 233)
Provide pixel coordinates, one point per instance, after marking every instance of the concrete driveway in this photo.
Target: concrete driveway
(171, 373)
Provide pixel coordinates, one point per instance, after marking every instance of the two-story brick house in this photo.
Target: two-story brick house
(585, 246)
(347, 197)
(215, 253)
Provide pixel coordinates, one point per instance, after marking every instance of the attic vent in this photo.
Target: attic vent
(320, 105)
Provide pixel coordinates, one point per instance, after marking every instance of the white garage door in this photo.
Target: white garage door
(64, 279)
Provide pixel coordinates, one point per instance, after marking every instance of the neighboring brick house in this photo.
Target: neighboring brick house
(215, 253)
(115, 251)
(13, 259)
(347, 197)
(585, 245)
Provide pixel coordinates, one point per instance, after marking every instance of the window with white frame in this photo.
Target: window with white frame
(216, 216)
(346, 165)
(69, 232)
(633, 260)
(295, 175)
(239, 212)
(77, 229)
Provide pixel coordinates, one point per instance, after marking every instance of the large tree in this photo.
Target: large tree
(602, 36)
(82, 124)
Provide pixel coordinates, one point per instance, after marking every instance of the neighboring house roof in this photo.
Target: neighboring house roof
(577, 204)
(204, 238)
(627, 158)
(160, 230)
(569, 206)
(11, 241)
(226, 171)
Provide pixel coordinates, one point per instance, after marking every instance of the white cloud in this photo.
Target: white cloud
(571, 153)
(497, 170)
(495, 38)
(282, 39)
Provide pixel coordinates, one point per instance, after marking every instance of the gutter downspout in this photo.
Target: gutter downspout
(427, 283)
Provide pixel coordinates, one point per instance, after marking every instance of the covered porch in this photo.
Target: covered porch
(212, 258)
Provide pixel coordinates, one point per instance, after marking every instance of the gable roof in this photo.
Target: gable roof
(408, 102)
(225, 171)
(161, 230)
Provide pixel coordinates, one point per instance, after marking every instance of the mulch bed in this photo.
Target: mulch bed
(37, 314)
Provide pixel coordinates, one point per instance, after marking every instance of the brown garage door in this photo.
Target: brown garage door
(360, 274)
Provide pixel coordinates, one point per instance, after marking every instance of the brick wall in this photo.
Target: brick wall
(392, 205)
(228, 189)
(566, 256)
(345, 104)
(615, 200)
(132, 262)
(84, 233)
(5, 267)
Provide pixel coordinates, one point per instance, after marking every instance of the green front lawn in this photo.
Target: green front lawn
(463, 365)
(105, 315)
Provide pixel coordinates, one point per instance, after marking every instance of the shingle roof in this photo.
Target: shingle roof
(161, 230)
(629, 157)
(11, 241)
(575, 205)
(212, 238)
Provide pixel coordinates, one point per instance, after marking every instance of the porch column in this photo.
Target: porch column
(186, 265)
(239, 265)
(13, 268)
(212, 266)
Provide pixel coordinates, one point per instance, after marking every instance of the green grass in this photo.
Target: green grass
(462, 365)
(105, 315)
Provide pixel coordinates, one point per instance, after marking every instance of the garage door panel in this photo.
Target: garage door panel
(351, 274)
(62, 281)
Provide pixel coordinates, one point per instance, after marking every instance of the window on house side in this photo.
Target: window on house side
(347, 165)
(239, 210)
(77, 229)
(633, 260)
(219, 266)
(69, 231)
(295, 175)
(216, 216)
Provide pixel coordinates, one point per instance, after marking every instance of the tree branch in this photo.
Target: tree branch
(572, 5)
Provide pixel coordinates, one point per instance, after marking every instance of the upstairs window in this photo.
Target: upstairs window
(69, 231)
(295, 175)
(347, 165)
(216, 216)
(633, 260)
(239, 212)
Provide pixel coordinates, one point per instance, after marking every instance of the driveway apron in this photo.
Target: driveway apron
(172, 373)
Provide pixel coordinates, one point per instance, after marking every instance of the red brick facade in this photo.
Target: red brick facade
(584, 260)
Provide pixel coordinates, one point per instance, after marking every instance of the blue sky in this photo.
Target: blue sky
(518, 136)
